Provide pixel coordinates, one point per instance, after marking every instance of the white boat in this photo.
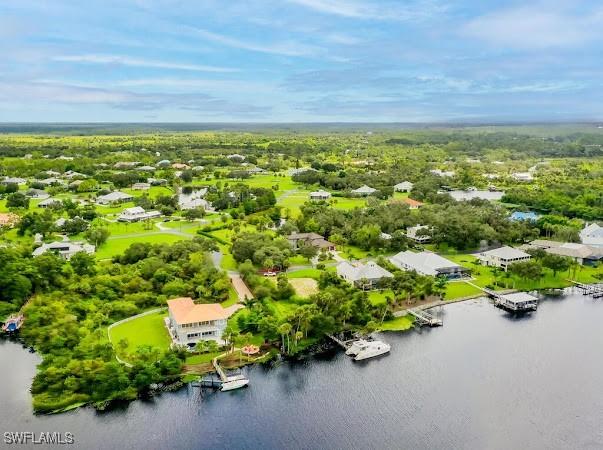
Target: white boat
(355, 347)
(234, 382)
(371, 349)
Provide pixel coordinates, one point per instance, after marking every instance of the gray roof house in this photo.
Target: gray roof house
(411, 233)
(364, 191)
(313, 239)
(592, 235)
(65, 249)
(136, 214)
(320, 195)
(363, 276)
(428, 263)
(503, 257)
(405, 186)
(114, 197)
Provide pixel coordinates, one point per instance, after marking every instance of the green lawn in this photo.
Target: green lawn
(145, 330)
(378, 297)
(305, 273)
(397, 324)
(116, 245)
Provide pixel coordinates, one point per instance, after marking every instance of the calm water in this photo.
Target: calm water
(484, 380)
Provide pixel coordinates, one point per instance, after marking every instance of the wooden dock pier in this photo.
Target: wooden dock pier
(424, 318)
(219, 369)
(343, 344)
(594, 290)
(515, 302)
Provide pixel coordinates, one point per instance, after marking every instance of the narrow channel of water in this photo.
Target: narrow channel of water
(483, 380)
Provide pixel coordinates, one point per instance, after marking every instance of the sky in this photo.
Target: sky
(301, 61)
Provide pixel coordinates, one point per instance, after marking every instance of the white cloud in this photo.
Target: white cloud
(535, 27)
(139, 62)
(364, 10)
(281, 48)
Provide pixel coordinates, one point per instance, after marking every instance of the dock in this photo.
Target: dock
(343, 344)
(208, 382)
(424, 318)
(594, 290)
(219, 369)
(515, 302)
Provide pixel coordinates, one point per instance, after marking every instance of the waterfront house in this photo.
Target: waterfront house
(320, 195)
(65, 249)
(189, 322)
(136, 214)
(405, 186)
(113, 198)
(363, 276)
(428, 263)
(592, 235)
(503, 257)
(313, 239)
(581, 253)
(364, 191)
(413, 233)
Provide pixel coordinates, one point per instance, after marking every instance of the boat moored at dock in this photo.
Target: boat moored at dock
(370, 349)
(234, 382)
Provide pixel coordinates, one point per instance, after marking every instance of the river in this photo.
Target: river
(485, 380)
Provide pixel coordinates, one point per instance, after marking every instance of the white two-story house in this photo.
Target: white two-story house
(189, 322)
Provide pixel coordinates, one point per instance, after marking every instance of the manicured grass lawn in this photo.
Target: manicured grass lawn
(348, 203)
(116, 245)
(125, 228)
(379, 297)
(202, 358)
(397, 324)
(304, 273)
(298, 260)
(459, 289)
(282, 308)
(145, 330)
(228, 262)
(233, 298)
(351, 252)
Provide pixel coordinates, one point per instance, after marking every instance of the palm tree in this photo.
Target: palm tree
(285, 330)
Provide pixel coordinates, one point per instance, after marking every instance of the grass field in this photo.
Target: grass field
(304, 287)
(117, 245)
(145, 330)
(304, 273)
(397, 324)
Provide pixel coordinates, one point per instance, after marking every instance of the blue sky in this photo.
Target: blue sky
(300, 60)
